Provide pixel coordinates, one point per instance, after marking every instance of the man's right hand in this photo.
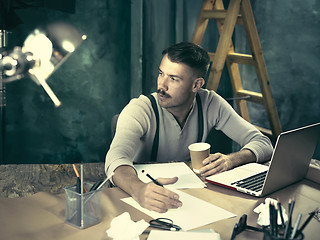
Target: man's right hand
(148, 195)
(157, 198)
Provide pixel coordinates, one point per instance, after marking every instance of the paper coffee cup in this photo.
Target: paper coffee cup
(198, 152)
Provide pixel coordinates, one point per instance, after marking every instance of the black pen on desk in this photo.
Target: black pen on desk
(152, 179)
(307, 221)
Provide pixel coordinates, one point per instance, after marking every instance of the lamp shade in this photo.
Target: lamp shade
(49, 47)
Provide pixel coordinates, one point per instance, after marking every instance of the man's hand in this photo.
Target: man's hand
(157, 198)
(215, 163)
(219, 162)
(148, 195)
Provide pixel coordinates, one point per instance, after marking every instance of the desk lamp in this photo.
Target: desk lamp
(43, 51)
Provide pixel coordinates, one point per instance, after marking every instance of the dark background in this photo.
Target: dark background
(120, 59)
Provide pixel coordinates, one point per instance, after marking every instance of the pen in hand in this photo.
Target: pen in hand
(152, 179)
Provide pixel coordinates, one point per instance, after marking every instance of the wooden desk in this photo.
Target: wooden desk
(41, 216)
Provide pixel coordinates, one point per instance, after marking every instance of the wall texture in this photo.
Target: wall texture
(94, 83)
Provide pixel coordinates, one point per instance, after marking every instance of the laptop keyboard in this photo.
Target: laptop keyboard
(253, 183)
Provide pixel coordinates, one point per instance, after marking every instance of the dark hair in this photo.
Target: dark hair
(190, 54)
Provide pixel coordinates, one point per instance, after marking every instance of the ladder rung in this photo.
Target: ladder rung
(241, 58)
(254, 96)
(219, 15)
(265, 131)
(214, 14)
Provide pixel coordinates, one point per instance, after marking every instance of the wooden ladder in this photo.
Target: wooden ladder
(226, 22)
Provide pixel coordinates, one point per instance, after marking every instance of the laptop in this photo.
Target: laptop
(289, 164)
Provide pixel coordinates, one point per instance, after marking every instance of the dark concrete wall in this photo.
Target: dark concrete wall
(94, 83)
(290, 38)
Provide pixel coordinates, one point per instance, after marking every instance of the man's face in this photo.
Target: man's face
(175, 82)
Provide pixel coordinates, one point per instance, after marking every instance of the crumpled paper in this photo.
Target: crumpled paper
(123, 228)
(264, 214)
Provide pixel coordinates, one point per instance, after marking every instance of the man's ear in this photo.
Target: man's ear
(197, 84)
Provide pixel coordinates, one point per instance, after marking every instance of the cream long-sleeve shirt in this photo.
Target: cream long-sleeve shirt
(136, 128)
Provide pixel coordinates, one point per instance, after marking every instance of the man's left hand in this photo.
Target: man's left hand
(219, 162)
(215, 163)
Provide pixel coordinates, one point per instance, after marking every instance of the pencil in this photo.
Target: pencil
(78, 176)
(288, 227)
(280, 211)
(152, 179)
(296, 225)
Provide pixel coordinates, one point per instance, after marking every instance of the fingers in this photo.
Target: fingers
(167, 181)
(158, 198)
(212, 158)
(213, 164)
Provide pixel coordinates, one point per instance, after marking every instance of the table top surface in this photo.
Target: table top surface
(42, 215)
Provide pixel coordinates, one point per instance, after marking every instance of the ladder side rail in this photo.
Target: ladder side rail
(224, 44)
(261, 70)
(202, 22)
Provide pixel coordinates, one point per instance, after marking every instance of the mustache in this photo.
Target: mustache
(162, 92)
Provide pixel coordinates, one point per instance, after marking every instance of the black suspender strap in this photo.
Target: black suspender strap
(154, 151)
(200, 118)
(155, 144)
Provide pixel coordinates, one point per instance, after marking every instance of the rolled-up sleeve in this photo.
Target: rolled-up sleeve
(241, 131)
(132, 124)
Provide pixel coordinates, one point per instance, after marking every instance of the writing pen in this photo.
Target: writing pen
(152, 179)
(306, 222)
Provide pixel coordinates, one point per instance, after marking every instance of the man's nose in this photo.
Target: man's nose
(163, 82)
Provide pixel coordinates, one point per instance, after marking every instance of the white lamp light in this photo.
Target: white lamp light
(44, 50)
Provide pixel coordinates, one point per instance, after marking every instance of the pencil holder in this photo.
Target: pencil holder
(280, 236)
(82, 210)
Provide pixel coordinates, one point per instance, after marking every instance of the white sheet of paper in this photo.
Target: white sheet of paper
(186, 177)
(193, 213)
(160, 235)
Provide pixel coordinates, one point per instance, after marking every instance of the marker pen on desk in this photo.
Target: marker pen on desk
(306, 222)
(152, 179)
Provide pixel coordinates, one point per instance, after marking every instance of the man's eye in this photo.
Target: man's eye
(173, 79)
